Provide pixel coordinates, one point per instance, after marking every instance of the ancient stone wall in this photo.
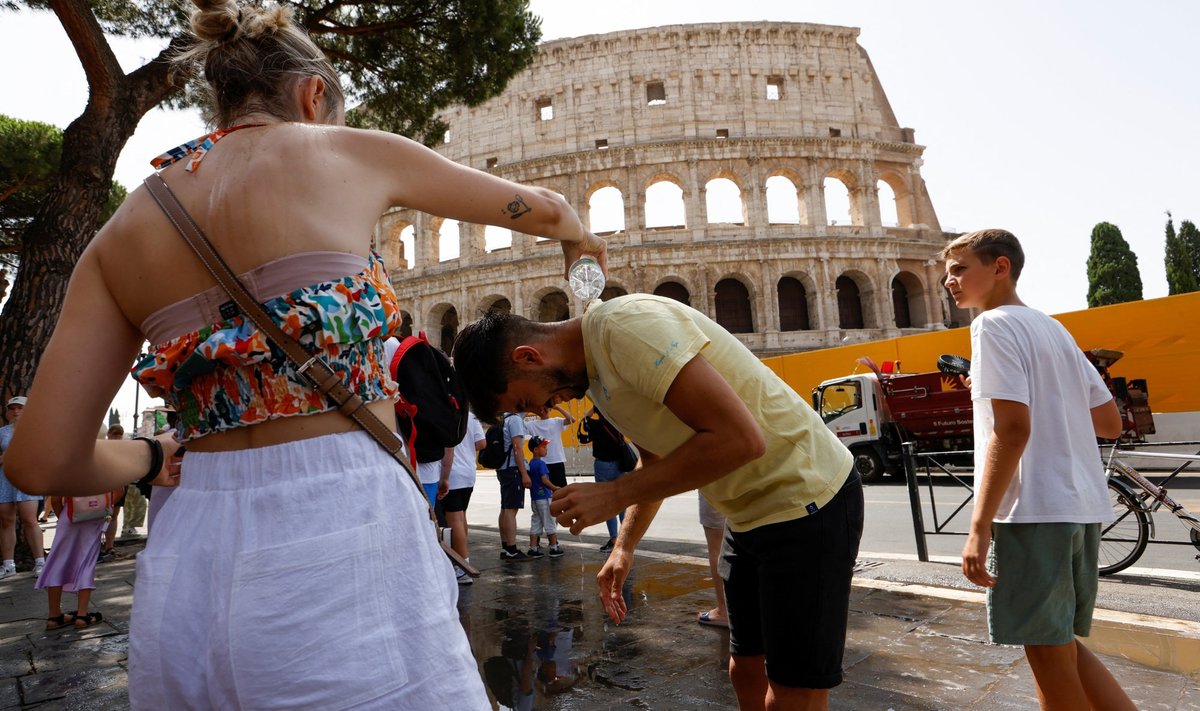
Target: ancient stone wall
(696, 106)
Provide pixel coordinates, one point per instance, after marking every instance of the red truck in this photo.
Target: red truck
(874, 413)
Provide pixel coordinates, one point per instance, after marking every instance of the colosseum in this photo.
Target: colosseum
(753, 170)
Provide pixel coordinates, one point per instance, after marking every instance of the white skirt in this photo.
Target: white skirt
(304, 575)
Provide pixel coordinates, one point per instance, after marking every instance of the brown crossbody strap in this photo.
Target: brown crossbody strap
(311, 366)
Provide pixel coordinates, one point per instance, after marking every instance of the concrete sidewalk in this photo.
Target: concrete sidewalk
(911, 646)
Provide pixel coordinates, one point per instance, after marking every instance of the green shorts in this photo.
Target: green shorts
(1046, 580)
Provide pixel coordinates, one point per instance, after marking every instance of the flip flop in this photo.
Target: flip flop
(87, 620)
(705, 619)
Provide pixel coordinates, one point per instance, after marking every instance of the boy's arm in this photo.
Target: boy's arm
(566, 415)
(547, 483)
(1009, 437)
(1106, 420)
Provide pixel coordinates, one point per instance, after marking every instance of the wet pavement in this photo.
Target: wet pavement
(543, 642)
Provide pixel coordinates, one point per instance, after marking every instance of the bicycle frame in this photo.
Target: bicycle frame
(1157, 494)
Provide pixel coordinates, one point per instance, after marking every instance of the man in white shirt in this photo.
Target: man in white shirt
(1040, 493)
(461, 483)
(551, 429)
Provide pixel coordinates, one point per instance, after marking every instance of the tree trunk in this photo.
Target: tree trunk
(67, 221)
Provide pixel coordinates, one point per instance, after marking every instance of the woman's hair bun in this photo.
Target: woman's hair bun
(223, 21)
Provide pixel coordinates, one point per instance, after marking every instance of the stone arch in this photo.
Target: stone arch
(887, 204)
(908, 301)
(734, 305)
(664, 206)
(785, 205)
(550, 304)
(605, 207)
(796, 293)
(854, 292)
(723, 201)
(495, 238)
(901, 194)
(444, 317)
(406, 325)
(495, 302)
(673, 288)
(612, 291)
(406, 241)
(447, 231)
(839, 208)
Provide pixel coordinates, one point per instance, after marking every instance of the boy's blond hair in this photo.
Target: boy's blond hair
(987, 245)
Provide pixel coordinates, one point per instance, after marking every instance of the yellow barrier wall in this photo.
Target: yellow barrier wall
(1159, 337)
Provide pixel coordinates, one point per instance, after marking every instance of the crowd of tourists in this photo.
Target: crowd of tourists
(259, 585)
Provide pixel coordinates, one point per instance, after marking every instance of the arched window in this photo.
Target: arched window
(723, 202)
(405, 324)
(900, 304)
(793, 305)
(612, 292)
(501, 306)
(449, 329)
(850, 311)
(448, 240)
(664, 205)
(606, 211)
(674, 290)
(496, 238)
(783, 202)
(888, 216)
(733, 306)
(908, 301)
(837, 202)
(408, 246)
(553, 307)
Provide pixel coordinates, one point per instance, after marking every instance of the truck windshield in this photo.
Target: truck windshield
(839, 398)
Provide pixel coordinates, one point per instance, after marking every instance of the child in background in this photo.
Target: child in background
(540, 491)
(71, 566)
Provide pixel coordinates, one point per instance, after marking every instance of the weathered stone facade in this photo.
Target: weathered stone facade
(688, 104)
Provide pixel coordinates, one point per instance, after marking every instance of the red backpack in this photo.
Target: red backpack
(431, 414)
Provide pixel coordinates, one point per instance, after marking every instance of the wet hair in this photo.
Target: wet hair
(988, 245)
(252, 57)
(481, 358)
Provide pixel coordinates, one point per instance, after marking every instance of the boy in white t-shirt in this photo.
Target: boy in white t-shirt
(1040, 493)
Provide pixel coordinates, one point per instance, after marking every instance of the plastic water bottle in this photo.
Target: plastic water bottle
(586, 279)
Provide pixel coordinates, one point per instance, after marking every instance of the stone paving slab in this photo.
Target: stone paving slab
(905, 651)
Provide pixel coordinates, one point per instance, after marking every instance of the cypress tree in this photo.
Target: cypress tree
(1178, 261)
(1189, 240)
(1113, 276)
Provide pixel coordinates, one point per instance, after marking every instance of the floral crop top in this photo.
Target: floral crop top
(227, 374)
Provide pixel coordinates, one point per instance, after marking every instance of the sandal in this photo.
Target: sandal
(706, 618)
(66, 619)
(85, 621)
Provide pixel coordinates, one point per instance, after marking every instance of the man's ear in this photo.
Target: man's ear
(527, 355)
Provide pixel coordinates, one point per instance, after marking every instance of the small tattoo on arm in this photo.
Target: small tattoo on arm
(517, 207)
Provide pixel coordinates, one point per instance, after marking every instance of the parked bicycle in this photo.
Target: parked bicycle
(1135, 498)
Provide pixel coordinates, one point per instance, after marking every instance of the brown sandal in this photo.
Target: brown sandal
(66, 619)
(85, 621)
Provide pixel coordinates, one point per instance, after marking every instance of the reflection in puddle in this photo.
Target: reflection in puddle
(544, 643)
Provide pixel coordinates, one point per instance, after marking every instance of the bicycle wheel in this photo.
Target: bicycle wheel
(1123, 541)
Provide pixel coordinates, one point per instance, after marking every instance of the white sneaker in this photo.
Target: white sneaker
(5, 572)
(37, 567)
(462, 577)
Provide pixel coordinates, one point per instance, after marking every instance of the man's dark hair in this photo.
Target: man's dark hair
(481, 357)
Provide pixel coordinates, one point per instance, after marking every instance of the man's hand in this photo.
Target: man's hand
(443, 488)
(974, 556)
(578, 506)
(611, 579)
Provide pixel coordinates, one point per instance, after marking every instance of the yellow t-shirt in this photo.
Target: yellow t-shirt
(635, 345)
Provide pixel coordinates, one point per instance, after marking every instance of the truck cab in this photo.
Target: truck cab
(850, 408)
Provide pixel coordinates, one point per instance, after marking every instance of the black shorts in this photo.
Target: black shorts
(787, 586)
(457, 499)
(558, 473)
(512, 494)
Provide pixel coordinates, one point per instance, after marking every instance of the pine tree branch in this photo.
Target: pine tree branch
(100, 65)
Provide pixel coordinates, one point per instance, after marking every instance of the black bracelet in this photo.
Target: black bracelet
(156, 459)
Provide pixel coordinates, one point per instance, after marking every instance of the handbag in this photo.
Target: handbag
(310, 365)
(89, 508)
(627, 458)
